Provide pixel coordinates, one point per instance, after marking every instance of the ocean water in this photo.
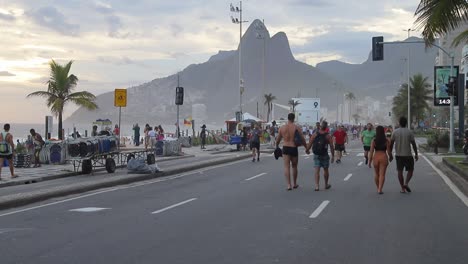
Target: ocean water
(21, 130)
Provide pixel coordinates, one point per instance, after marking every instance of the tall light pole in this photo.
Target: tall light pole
(238, 10)
(408, 68)
(262, 36)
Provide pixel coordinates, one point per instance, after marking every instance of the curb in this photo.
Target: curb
(463, 174)
(21, 199)
(70, 174)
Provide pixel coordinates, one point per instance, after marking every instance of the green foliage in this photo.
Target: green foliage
(60, 91)
(420, 95)
(437, 17)
(269, 98)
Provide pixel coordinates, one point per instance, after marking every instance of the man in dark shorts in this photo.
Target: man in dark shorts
(403, 139)
(366, 138)
(319, 142)
(290, 151)
(7, 150)
(255, 143)
(340, 138)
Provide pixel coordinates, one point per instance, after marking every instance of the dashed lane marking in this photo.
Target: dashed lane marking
(173, 206)
(256, 176)
(347, 177)
(319, 210)
(360, 163)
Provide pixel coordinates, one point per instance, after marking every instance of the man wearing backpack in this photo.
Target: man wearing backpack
(290, 151)
(7, 149)
(319, 143)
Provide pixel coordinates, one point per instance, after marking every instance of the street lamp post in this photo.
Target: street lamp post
(408, 71)
(262, 36)
(239, 21)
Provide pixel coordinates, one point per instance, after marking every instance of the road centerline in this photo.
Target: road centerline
(173, 206)
(256, 176)
(319, 209)
(348, 176)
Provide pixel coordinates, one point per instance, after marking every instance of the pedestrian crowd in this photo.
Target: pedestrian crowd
(324, 142)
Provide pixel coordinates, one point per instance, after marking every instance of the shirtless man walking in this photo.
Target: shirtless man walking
(290, 151)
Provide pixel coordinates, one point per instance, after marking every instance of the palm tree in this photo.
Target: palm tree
(59, 92)
(356, 118)
(293, 104)
(269, 102)
(350, 97)
(420, 96)
(437, 17)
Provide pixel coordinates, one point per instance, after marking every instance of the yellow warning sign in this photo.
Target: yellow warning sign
(120, 97)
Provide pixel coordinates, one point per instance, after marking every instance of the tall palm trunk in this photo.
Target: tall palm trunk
(60, 126)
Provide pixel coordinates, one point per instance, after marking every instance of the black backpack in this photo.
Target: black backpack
(319, 146)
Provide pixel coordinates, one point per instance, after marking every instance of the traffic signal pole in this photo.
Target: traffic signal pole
(451, 55)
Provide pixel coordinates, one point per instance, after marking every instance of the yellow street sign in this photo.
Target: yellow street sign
(120, 97)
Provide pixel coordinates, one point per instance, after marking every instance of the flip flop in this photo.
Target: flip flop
(328, 186)
(296, 186)
(402, 192)
(16, 176)
(407, 188)
(317, 189)
(288, 189)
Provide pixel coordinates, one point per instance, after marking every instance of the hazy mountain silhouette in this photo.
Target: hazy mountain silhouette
(215, 83)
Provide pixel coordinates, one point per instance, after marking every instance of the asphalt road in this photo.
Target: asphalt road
(241, 213)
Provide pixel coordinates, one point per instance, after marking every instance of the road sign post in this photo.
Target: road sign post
(120, 100)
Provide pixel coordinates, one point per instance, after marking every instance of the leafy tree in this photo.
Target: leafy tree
(293, 104)
(269, 98)
(437, 17)
(60, 91)
(420, 92)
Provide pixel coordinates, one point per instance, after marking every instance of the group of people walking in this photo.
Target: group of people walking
(151, 135)
(378, 148)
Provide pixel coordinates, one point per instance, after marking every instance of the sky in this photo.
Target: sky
(122, 43)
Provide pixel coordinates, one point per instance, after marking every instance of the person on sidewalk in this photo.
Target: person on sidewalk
(366, 138)
(203, 136)
(319, 143)
(136, 134)
(255, 143)
(38, 144)
(379, 154)
(403, 139)
(7, 150)
(340, 138)
(290, 151)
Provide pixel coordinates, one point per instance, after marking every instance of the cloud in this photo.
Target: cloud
(103, 8)
(5, 73)
(115, 25)
(52, 18)
(176, 29)
(124, 60)
(7, 16)
(313, 3)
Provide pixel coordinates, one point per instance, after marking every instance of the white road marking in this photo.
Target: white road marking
(168, 178)
(360, 163)
(347, 177)
(307, 158)
(449, 183)
(88, 209)
(256, 176)
(174, 205)
(360, 155)
(317, 211)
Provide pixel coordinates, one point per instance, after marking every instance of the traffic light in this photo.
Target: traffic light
(453, 86)
(377, 48)
(179, 99)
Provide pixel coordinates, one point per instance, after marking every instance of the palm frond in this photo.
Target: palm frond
(462, 38)
(40, 94)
